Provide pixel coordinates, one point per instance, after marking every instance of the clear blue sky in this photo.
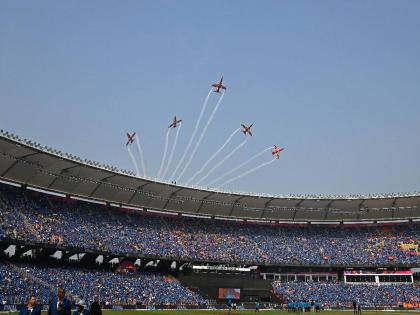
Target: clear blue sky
(336, 82)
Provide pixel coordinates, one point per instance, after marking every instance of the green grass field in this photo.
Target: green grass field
(239, 312)
(223, 312)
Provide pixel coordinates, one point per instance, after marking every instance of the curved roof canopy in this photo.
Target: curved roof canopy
(28, 163)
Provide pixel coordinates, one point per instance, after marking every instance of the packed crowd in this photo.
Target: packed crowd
(19, 281)
(35, 217)
(339, 294)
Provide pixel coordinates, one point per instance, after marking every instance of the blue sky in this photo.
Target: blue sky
(336, 82)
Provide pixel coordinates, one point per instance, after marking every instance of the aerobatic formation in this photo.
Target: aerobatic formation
(200, 176)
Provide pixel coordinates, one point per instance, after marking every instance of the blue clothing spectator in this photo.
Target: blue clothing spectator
(144, 288)
(49, 221)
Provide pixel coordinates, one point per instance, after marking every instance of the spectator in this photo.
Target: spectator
(50, 221)
(144, 288)
(340, 294)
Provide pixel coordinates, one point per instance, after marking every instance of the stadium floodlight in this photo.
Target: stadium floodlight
(258, 221)
(195, 216)
(88, 200)
(325, 222)
(46, 191)
(392, 221)
(162, 212)
(10, 183)
(229, 219)
(132, 208)
(358, 222)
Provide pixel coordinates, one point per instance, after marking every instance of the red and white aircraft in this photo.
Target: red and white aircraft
(219, 86)
(276, 151)
(247, 129)
(175, 123)
(130, 138)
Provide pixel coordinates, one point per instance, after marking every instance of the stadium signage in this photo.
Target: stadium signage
(221, 268)
(378, 273)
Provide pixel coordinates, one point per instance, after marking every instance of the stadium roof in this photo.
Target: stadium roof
(28, 163)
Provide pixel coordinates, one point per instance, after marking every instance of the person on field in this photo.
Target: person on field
(95, 307)
(31, 308)
(229, 306)
(317, 306)
(60, 305)
(81, 308)
(257, 307)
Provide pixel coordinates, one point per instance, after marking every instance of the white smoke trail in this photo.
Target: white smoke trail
(246, 173)
(222, 161)
(134, 161)
(201, 136)
(143, 166)
(193, 134)
(239, 166)
(172, 151)
(164, 153)
(213, 156)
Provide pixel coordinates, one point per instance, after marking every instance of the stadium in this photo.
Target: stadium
(292, 187)
(136, 243)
